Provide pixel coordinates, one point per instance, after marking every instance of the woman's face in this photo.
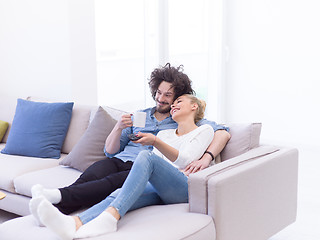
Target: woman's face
(182, 107)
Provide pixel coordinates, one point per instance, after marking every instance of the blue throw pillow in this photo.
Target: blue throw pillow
(38, 129)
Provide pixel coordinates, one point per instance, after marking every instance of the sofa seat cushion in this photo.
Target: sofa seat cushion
(54, 177)
(154, 222)
(13, 166)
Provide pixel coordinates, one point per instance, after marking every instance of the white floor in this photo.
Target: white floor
(307, 226)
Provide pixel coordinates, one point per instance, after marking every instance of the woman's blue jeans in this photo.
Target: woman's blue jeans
(151, 181)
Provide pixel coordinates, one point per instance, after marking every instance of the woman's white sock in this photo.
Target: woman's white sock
(102, 224)
(33, 207)
(52, 195)
(64, 226)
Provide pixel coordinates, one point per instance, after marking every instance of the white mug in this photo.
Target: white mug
(139, 119)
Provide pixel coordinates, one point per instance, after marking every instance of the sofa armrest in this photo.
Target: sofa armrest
(257, 199)
(198, 182)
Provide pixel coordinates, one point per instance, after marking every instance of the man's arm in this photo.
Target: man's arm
(112, 144)
(220, 139)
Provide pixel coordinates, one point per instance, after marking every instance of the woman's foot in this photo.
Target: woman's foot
(52, 195)
(104, 223)
(33, 207)
(64, 226)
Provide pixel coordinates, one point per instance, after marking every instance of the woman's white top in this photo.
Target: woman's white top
(191, 146)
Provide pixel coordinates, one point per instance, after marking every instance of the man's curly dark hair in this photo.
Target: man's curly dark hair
(174, 75)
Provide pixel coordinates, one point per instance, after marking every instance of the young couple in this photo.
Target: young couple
(162, 162)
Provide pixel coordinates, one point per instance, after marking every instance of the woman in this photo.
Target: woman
(155, 178)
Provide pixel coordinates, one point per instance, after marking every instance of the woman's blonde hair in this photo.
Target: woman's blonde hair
(201, 107)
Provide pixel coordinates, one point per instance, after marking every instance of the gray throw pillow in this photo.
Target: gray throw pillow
(90, 147)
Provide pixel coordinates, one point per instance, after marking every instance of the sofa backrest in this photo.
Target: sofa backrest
(79, 123)
(244, 137)
(113, 112)
(81, 117)
(7, 110)
(80, 120)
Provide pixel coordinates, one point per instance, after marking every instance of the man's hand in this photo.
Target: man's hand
(112, 144)
(198, 165)
(125, 121)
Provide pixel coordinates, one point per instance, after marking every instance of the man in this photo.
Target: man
(105, 176)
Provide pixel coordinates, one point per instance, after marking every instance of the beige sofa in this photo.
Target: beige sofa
(250, 195)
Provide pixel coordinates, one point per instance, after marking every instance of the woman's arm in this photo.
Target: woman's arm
(168, 151)
(149, 139)
(193, 149)
(190, 150)
(220, 139)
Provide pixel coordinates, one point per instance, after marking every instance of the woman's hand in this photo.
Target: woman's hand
(146, 138)
(198, 165)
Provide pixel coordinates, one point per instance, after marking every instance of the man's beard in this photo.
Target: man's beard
(163, 109)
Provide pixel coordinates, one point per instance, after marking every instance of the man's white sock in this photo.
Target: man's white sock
(63, 225)
(102, 224)
(52, 195)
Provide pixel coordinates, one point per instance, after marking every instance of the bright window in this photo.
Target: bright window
(120, 53)
(134, 37)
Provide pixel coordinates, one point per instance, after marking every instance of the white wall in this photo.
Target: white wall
(272, 71)
(47, 49)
